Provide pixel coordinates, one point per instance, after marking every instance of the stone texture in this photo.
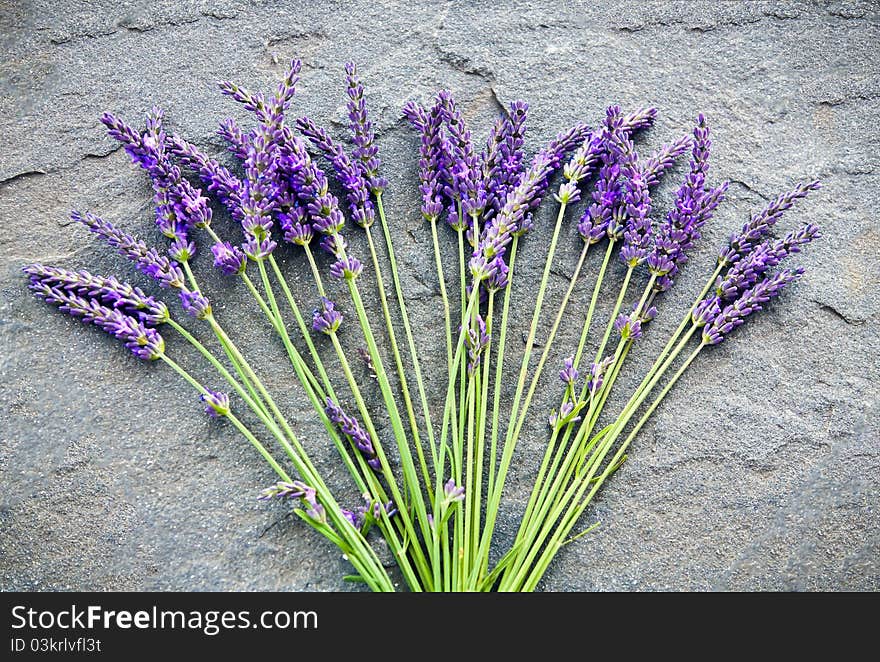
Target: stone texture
(760, 470)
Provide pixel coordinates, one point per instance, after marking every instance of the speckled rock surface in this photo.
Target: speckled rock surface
(759, 471)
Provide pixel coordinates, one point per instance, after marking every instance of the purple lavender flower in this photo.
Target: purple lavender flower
(761, 223)
(749, 269)
(664, 158)
(627, 327)
(565, 416)
(216, 177)
(350, 175)
(252, 101)
(503, 164)
(147, 260)
(284, 92)
(366, 152)
(216, 403)
(637, 234)
(297, 489)
(234, 137)
(750, 301)
(579, 167)
(181, 250)
(334, 244)
(371, 511)
(431, 153)
(258, 249)
(454, 493)
(111, 292)
(693, 207)
(312, 187)
(229, 259)
(295, 226)
(527, 195)
(144, 342)
(706, 311)
(260, 192)
(606, 214)
(350, 426)
(327, 319)
(179, 206)
(313, 510)
(195, 304)
(498, 272)
(467, 186)
(569, 374)
(346, 268)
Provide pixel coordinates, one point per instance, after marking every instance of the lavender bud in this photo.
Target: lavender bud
(453, 492)
(229, 259)
(327, 319)
(147, 260)
(216, 403)
(627, 327)
(569, 374)
(258, 249)
(347, 268)
(182, 250)
(195, 304)
(111, 292)
(283, 490)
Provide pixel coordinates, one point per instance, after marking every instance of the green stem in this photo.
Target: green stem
(548, 453)
(306, 377)
(580, 503)
(360, 555)
(398, 360)
(316, 274)
(410, 475)
(546, 522)
(399, 549)
(245, 431)
(407, 328)
(494, 500)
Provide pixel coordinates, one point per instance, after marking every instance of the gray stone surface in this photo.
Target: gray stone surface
(760, 470)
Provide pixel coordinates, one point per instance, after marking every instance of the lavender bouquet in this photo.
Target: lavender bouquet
(434, 489)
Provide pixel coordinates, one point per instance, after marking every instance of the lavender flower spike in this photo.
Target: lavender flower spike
(350, 175)
(350, 426)
(477, 340)
(749, 302)
(761, 223)
(503, 174)
(195, 304)
(431, 155)
(147, 260)
(327, 319)
(347, 268)
(144, 342)
(467, 187)
(111, 292)
(284, 490)
(663, 159)
(366, 152)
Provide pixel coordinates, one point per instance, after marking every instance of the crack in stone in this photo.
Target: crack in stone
(828, 308)
(27, 174)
